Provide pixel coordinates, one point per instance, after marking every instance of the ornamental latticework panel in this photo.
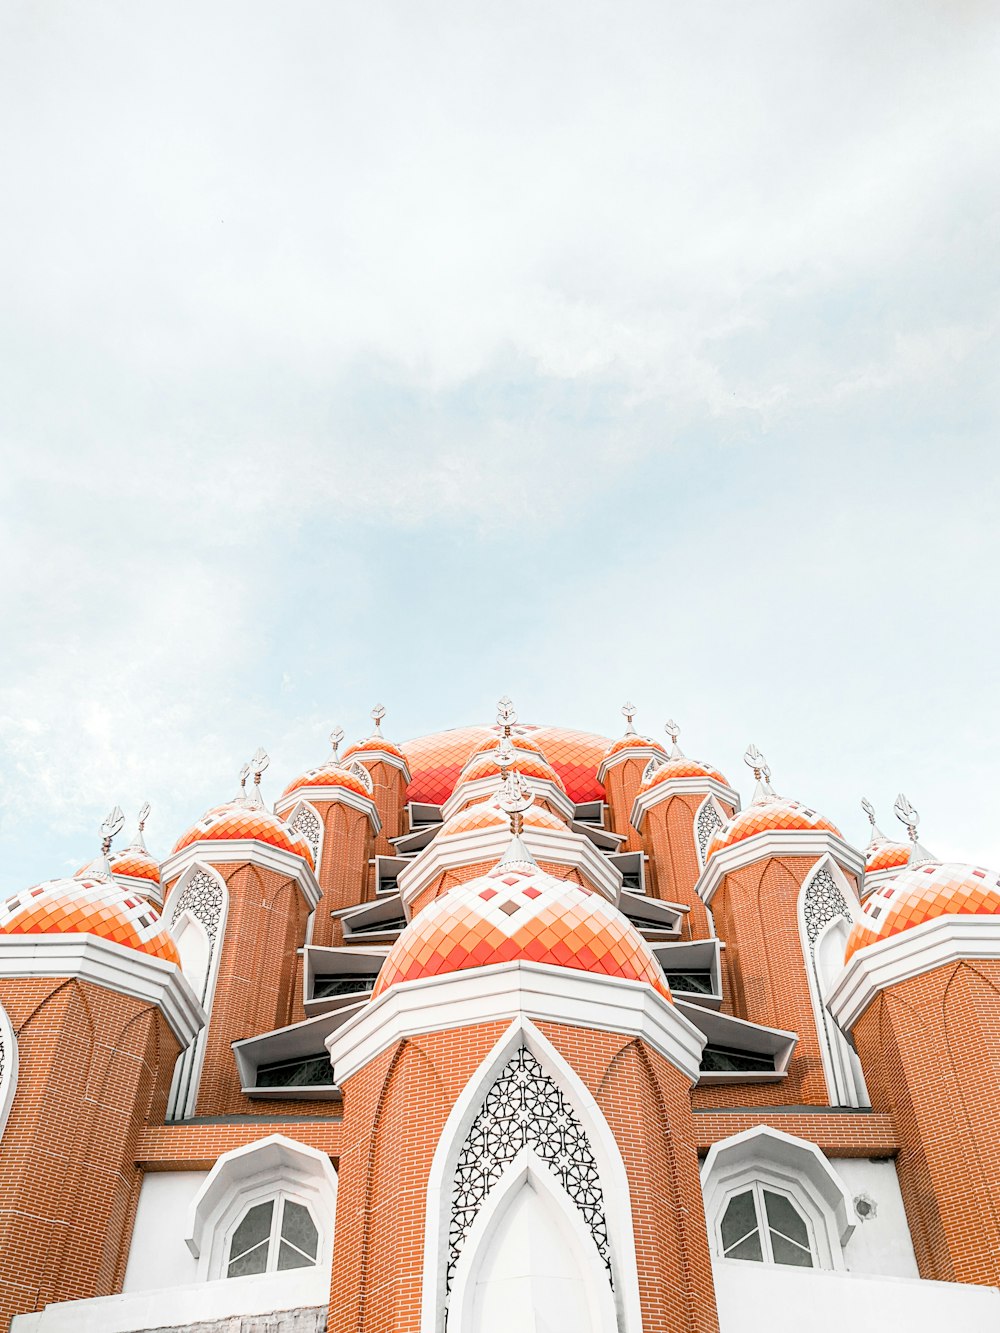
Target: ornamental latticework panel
(306, 821)
(706, 822)
(524, 1108)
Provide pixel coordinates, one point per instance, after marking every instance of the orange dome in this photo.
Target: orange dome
(925, 893)
(633, 742)
(375, 743)
(487, 814)
(518, 913)
(777, 815)
(519, 742)
(136, 863)
(485, 766)
(88, 904)
(435, 761)
(234, 821)
(887, 856)
(682, 768)
(328, 775)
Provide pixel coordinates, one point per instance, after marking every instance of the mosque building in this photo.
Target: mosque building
(508, 1028)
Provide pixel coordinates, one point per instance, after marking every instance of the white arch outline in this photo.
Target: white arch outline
(614, 1178)
(290, 821)
(528, 1169)
(8, 1087)
(712, 801)
(187, 1071)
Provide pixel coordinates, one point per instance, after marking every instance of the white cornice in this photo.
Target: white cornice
(692, 786)
(380, 756)
(778, 842)
(235, 851)
(111, 965)
(488, 845)
(478, 789)
(946, 939)
(332, 796)
(506, 990)
(643, 752)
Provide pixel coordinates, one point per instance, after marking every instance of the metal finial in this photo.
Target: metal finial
(111, 827)
(628, 713)
(906, 814)
(336, 736)
(504, 754)
(143, 815)
(755, 760)
(257, 765)
(506, 714)
(673, 730)
(762, 772)
(377, 714)
(869, 809)
(139, 842)
(515, 796)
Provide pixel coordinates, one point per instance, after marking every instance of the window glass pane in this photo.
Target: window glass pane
(298, 1228)
(783, 1216)
(290, 1257)
(747, 1249)
(254, 1228)
(252, 1261)
(739, 1220)
(787, 1252)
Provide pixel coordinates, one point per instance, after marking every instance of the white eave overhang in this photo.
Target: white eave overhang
(812, 843)
(236, 851)
(480, 789)
(299, 1041)
(379, 757)
(737, 1034)
(330, 796)
(705, 786)
(643, 752)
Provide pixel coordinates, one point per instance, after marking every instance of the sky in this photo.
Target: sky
(418, 354)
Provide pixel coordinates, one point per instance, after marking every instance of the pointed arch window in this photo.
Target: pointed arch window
(271, 1237)
(765, 1226)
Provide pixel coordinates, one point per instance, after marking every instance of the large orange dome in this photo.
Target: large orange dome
(88, 904)
(518, 913)
(775, 815)
(435, 761)
(925, 893)
(235, 821)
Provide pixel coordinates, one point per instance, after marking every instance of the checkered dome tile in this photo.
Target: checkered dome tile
(925, 893)
(519, 913)
(887, 856)
(682, 768)
(487, 814)
(136, 864)
(767, 817)
(327, 775)
(528, 765)
(373, 743)
(633, 743)
(88, 905)
(233, 822)
(436, 761)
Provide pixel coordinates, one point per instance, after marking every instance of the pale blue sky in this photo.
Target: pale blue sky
(426, 353)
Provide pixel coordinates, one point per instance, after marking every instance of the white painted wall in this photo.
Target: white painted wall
(760, 1298)
(881, 1244)
(158, 1256)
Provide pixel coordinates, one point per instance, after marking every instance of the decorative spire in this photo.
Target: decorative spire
(755, 760)
(907, 815)
(673, 731)
(877, 834)
(258, 764)
(377, 714)
(336, 736)
(506, 714)
(138, 843)
(628, 712)
(241, 797)
(515, 796)
(111, 827)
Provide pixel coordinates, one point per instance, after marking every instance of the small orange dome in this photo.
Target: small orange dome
(375, 743)
(327, 775)
(485, 766)
(518, 913)
(136, 863)
(886, 856)
(235, 821)
(88, 904)
(924, 893)
(681, 768)
(487, 814)
(776, 815)
(633, 742)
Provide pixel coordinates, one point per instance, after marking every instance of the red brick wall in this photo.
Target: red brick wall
(621, 786)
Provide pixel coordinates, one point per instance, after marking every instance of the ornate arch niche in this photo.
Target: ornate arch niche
(527, 1164)
(8, 1067)
(197, 922)
(707, 820)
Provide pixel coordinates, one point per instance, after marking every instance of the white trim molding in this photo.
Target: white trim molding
(331, 796)
(110, 965)
(379, 757)
(779, 842)
(8, 1067)
(539, 991)
(607, 1156)
(237, 851)
(480, 789)
(946, 939)
(706, 786)
(562, 847)
(791, 1165)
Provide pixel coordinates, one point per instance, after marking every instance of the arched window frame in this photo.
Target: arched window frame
(786, 1165)
(709, 806)
(8, 1067)
(299, 818)
(845, 1082)
(272, 1167)
(611, 1168)
(185, 904)
(757, 1188)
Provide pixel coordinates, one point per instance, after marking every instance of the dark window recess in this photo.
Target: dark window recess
(696, 983)
(306, 1073)
(387, 886)
(397, 923)
(643, 923)
(324, 988)
(725, 1060)
(632, 883)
